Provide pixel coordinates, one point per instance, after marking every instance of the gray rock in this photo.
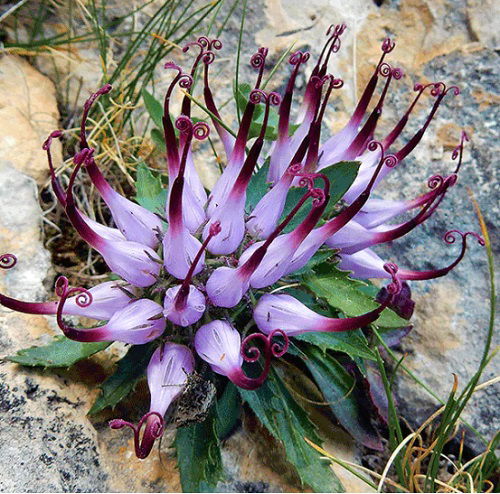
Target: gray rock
(46, 443)
(452, 313)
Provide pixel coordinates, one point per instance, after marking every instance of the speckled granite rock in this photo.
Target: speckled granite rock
(46, 443)
(437, 39)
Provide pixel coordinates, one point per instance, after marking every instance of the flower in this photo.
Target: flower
(206, 252)
(167, 372)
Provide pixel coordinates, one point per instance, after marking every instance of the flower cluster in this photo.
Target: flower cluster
(181, 268)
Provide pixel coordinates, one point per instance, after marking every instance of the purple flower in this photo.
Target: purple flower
(293, 317)
(167, 375)
(219, 344)
(107, 298)
(212, 254)
(139, 322)
(184, 310)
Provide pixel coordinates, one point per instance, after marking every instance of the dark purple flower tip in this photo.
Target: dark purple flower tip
(258, 59)
(440, 89)
(386, 70)
(215, 229)
(458, 151)
(55, 134)
(83, 156)
(307, 180)
(105, 89)
(185, 80)
(197, 43)
(252, 354)
(394, 288)
(172, 65)
(275, 349)
(388, 45)
(389, 160)
(336, 29)
(450, 237)
(299, 57)
(153, 430)
(86, 109)
(402, 303)
(83, 299)
(7, 261)
(258, 96)
(199, 130)
(118, 424)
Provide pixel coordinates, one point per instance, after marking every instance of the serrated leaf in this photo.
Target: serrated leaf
(345, 294)
(288, 422)
(341, 176)
(150, 192)
(60, 352)
(351, 342)
(153, 107)
(128, 372)
(198, 455)
(338, 388)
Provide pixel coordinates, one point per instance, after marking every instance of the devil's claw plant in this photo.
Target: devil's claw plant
(255, 270)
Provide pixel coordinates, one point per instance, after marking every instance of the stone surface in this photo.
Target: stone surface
(437, 40)
(481, 17)
(49, 444)
(28, 113)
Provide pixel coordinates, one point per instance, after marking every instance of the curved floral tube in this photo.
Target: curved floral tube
(366, 264)
(219, 344)
(167, 374)
(294, 318)
(139, 322)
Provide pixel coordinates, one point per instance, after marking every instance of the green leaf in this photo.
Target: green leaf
(60, 352)
(341, 176)
(338, 388)
(129, 370)
(150, 191)
(351, 342)
(257, 187)
(153, 107)
(319, 257)
(289, 423)
(228, 410)
(158, 139)
(198, 455)
(346, 294)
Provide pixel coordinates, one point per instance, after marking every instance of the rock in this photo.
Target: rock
(49, 444)
(452, 313)
(80, 71)
(28, 113)
(481, 17)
